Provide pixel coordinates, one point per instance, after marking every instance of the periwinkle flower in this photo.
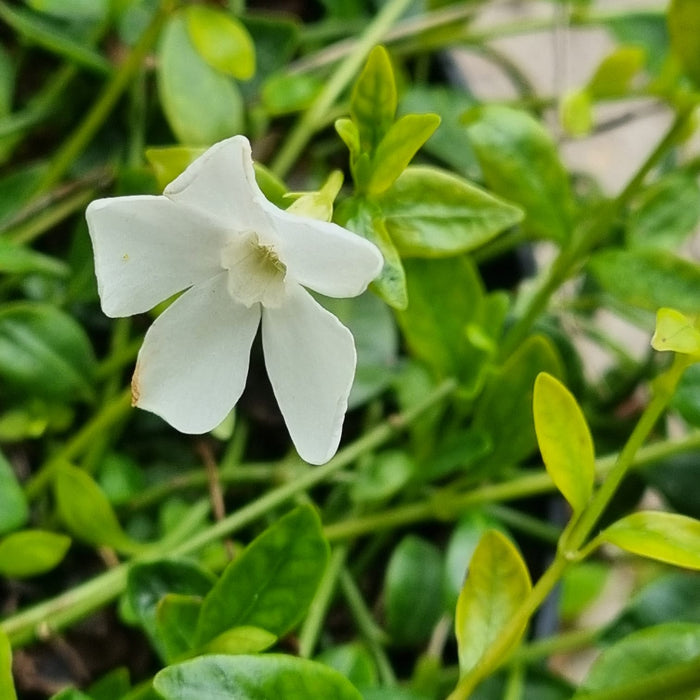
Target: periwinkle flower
(240, 259)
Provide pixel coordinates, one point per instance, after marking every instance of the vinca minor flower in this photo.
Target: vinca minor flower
(240, 259)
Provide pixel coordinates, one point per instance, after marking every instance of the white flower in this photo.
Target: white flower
(240, 259)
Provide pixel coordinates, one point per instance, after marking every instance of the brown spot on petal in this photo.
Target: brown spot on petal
(135, 389)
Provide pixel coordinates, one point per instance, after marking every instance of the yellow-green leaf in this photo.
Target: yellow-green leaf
(564, 440)
(676, 332)
(497, 583)
(31, 552)
(7, 685)
(684, 29)
(667, 537)
(169, 162)
(222, 41)
(576, 113)
(615, 72)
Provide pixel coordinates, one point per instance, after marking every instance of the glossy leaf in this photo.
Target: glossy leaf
(641, 654)
(186, 83)
(613, 76)
(241, 640)
(676, 332)
(31, 552)
(86, 512)
(504, 409)
(413, 591)
(432, 213)
(684, 28)
(667, 537)
(7, 684)
(171, 629)
(14, 509)
(496, 584)
(271, 584)
(253, 678)
(666, 213)
(649, 279)
(519, 161)
(396, 150)
(373, 101)
(221, 40)
(44, 352)
(565, 440)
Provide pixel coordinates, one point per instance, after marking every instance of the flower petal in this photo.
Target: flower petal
(324, 256)
(192, 367)
(221, 183)
(147, 248)
(310, 359)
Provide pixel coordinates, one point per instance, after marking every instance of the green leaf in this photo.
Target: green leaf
(642, 654)
(431, 213)
(170, 161)
(676, 476)
(319, 204)
(221, 40)
(7, 684)
(667, 537)
(445, 297)
(396, 150)
(252, 678)
(576, 113)
(86, 512)
(350, 135)
(31, 552)
(284, 93)
(272, 583)
(580, 586)
(362, 217)
(672, 597)
(241, 640)
(565, 440)
(496, 584)
(519, 161)
(14, 509)
(20, 260)
(373, 101)
(353, 661)
(644, 29)
(150, 583)
(186, 83)
(504, 409)
(114, 685)
(676, 332)
(667, 213)
(684, 29)
(382, 477)
(83, 10)
(648, 279)
(613, 76)
(472, 526)
(44, 352)
(413, 591)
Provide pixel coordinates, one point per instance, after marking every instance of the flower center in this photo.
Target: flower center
(256, 274)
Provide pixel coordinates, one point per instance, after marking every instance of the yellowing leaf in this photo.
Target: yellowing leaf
(676, 332)
(564, 439)
(497, 583)
(667, 537)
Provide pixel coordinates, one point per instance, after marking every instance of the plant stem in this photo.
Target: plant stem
(586, 236)
(495, 655)
(304, 129)
(69, 607)
(119, 82)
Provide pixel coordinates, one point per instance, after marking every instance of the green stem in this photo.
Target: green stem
(112, 413)
(567, 552)
(313, 624)
(372, 633)
(586, 236)
(71, 606)
(104, 104)
(557, 644)
(304, 129)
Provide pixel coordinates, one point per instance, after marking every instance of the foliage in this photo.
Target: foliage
(483, 461)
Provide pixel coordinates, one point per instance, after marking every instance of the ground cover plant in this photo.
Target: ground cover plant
(287, 409)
